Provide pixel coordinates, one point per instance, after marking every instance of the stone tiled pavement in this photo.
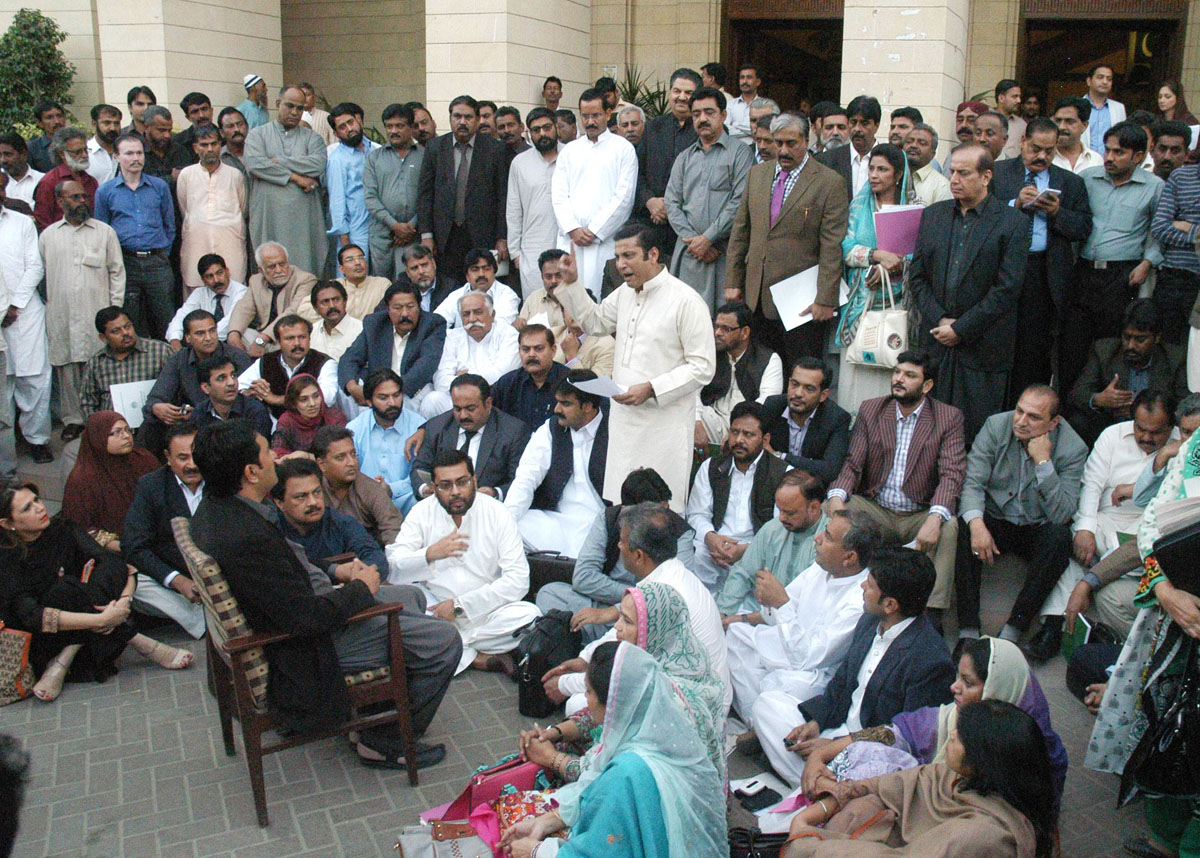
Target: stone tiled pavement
(135, 768)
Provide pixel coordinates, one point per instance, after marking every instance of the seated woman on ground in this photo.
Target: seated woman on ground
(993, 797)
(652, 792)
(72, 595)
(304, 413)
(102, 483)
(988, 669)
(653, 617)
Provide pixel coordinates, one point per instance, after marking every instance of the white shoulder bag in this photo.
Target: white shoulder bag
(882, 335)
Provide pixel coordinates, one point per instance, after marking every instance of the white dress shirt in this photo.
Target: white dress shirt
(334, 343)
(21, 270)
(879, 647)
(930, 185)
(737, 523)
(491, 357)
(399, 346)
(504, 301)
(23, 188)
(1087, 158)
(101, 165)
(192, 498)
(860, 166)
(206, 299)
(326, 378)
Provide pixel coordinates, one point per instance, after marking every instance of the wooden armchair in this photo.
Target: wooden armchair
(238, 666)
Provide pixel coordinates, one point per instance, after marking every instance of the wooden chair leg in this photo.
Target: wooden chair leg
(400, 696)
(223, 683)
(252, 738)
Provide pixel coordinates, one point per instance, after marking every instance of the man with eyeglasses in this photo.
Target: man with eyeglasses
(69, 148)
(364, 292)
(746, 370)
(463, 549)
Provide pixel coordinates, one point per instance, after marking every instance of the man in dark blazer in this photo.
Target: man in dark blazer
(494, 440)
(421, 269)
(864, 114)
(919, 502)
(664, 138)
(1057, 221)
(463, 206)
(279, 590)
(1119, 368)
(165, 588)
(807, 429)
(424, 334)
(905, 659)
(790, 219)
(966, 275)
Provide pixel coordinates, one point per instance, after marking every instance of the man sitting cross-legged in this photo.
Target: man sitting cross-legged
(380, 432)
(280, 591)
(897, 662)
(463, 549)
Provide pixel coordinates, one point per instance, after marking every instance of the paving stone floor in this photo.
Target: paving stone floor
(135, 768)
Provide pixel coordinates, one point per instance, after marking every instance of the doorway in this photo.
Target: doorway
(799, 61)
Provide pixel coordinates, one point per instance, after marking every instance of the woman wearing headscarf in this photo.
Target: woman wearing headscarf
(304, 413)
(653, 617)
(70, 594)
(652, 791)
(888, 183)
(101, 485)
(988, 669)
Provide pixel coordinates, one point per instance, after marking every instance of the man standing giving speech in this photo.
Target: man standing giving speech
(665, 353)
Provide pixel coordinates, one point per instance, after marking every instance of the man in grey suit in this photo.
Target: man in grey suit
(462, 198)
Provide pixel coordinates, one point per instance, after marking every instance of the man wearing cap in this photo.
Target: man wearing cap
(254, 108)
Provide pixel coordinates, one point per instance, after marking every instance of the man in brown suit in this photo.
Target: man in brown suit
(905, 469)
(792, 217)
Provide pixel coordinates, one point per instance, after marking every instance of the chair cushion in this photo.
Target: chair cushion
(224, 616)
(362, 677)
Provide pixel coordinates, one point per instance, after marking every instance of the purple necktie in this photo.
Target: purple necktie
(777, 195)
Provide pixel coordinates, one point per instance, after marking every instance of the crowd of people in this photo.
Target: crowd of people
(578, 346)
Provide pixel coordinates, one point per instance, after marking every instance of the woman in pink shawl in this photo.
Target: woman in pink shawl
(304, 413)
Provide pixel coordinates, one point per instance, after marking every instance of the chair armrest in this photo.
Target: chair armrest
(376, 611)
(233, 646)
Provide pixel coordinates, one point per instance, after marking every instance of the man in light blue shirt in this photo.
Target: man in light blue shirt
(254, 108)
(348, 216)
(1105, 112)
(380, 433)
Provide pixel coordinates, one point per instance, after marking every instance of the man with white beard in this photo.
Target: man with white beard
(478, 346)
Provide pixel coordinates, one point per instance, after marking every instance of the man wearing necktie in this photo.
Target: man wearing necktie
(792, 217)
(218, 295)
(1056, 202)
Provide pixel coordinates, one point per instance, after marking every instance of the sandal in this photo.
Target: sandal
(50, 683)
(384, 756)
(169, 657)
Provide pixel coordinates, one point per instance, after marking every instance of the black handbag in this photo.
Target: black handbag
(548, 644)
(1166, 762)
(752, 843)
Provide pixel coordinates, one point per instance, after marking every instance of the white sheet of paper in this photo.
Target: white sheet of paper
(602, 386)
(793, 295)
(128, 399)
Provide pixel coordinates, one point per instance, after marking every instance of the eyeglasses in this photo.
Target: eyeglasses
(726, 329)
(346, 259)
(447, 485)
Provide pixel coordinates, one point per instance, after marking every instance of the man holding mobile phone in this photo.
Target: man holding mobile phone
(1056, 202)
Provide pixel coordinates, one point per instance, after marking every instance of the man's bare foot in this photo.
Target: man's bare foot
(502, 663)
(747, 742)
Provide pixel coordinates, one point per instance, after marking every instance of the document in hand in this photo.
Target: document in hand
(794, 295)
(896, 228)
(128, 399)
(602, 386)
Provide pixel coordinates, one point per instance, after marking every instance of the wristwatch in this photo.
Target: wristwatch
(259, 341)
(458, 609)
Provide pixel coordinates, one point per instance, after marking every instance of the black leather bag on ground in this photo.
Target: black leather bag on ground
(548, 644)
(1166, 762)
(546, 567)
(752, 843)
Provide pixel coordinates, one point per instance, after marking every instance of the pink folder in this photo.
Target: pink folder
(896, 228)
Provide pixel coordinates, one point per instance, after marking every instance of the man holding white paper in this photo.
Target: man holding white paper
(664, 354)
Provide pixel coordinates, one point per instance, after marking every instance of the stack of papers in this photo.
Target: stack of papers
(794, 295)
(1177, 514)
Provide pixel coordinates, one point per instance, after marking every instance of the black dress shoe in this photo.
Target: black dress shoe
(41, 454)
(1046, 643)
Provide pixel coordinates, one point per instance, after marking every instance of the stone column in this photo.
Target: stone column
(502, 50)
(907, 54)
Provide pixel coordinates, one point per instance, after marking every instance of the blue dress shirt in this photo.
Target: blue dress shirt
(143, 217)
(381, 452)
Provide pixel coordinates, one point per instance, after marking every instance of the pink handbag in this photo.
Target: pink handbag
(485, 787)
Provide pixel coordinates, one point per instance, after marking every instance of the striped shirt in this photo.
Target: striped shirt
(790, 181)
(1180, 200)
(103, 370)
(891, 493)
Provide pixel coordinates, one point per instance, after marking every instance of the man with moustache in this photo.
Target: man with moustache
(286, 163)
(421, 270)
(631, 124)
(920, 147)
(348, 215)
(739, 108)
(463, 550)
(851, 162)
(464, 179)
(49, 116)
(564, 120)
(1031, 106)
(480, 266)
(198, 110)
(529, 391)
(233, 129)
(833, 130)
(364, 292)
(965, 117)
(424, 125)
(222, 401)
(482, 345)
(254, 106)
(702, 196)
(555, 495)
(218, 294)
(335, 329)
(268, 377)
(106, 125)
(125, 358)
(511, 131)
(764, 143)
(664, 139)
(1071, 116)
(901, 121)
(593, 189)
(379, 435)
(991, 130)
(14, 160)
(1058, 222)
(349, 490)
(213, 206)
(277, 288)
(532, 228)
(487, 119)
(1171, 141)
(402, 338)
(551, 93)
(164, 157)
(1008, 103)
(541, 307)
(746, 371)
(76, 293)
(164, 587)
(69, 148)
(391, 181)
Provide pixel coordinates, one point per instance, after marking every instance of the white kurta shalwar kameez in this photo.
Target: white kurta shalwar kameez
(593, 188)
(28, 363)
(85, 272)
(663, 336)
(532, 226)
(214, 209)
(491, 357)
(489, 581)
(802, 643)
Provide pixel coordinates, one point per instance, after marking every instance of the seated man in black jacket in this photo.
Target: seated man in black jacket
(895, 651)
(807, 429)
(280, 591)
(164, 587)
